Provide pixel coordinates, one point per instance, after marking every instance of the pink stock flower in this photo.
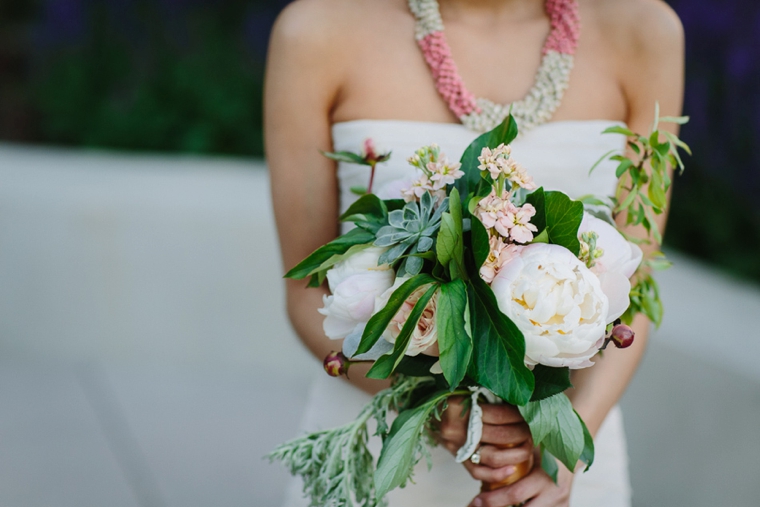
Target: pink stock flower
(417, 188)
(520, 228)
(444, 173)
(494, 161)
(491, 209)
(519, 176)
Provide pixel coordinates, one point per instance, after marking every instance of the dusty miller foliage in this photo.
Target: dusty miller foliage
(336, 465)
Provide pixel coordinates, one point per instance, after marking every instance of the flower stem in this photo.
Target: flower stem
(371, 176)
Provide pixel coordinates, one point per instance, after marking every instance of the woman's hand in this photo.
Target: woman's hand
(502, 426)
(536, 489)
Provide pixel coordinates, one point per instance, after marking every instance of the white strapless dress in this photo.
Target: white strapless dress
(558, 155)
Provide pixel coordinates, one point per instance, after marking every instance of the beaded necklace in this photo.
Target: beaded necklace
(480, 114)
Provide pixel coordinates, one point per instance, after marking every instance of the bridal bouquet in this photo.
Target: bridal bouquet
(476, 284)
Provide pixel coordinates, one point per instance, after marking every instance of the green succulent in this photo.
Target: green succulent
(411, 229)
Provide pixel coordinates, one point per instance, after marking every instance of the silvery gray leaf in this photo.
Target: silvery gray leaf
(396, 218)
(413, 265)
(424, 244)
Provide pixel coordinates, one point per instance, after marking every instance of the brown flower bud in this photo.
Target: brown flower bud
(336, 364)
(622, 336)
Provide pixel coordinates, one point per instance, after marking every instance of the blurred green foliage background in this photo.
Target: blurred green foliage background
(186, 76)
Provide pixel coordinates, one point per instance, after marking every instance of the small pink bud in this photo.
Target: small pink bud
(336, 364)
(370, 150)
(622, 336)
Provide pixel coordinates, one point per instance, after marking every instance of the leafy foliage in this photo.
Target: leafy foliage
(336, 466)
(454, 341)
(499, 348)
(557, 428)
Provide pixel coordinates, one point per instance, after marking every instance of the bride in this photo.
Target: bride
(341, 71)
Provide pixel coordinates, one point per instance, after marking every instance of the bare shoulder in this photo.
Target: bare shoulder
(639, 28)
(323, 24)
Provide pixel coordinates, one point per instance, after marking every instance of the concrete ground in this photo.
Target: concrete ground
(146, 361)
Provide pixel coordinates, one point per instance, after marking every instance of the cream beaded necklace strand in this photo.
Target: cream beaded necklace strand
(480, 114)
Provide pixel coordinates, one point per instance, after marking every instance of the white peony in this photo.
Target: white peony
(425, 336)
(558, 304)
(618, 263)
(354, 284)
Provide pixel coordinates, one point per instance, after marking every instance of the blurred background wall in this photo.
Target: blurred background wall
(141, 324)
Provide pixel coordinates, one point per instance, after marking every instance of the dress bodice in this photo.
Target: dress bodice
(558, 154)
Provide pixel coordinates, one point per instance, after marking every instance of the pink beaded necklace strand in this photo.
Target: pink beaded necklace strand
(552, 77)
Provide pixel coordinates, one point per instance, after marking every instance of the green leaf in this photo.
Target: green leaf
(498, 348)
(454, 344)
(368, 205)
(399, 454)
(416, 366)
(623, 167)
(617, 129)
(550, 381)
(680, 120)
(385, 364)
(481, 247)
(543, 237)
(563, 219)
(549, 464)
(345, 156)
(379, 322)
(656, 192)
(601, 159)
(555, 425)
(339, 257)
(358, 190)
(504, 133)
(336, 247)
(587, 456)
(446, 243)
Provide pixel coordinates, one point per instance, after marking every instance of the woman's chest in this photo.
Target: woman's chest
(387, 76)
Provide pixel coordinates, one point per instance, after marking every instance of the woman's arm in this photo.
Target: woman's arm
(304, 70)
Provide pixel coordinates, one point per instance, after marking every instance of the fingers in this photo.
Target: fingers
(495, 457)
(505, 434)
(488, 474)
(501, 414)
(453, 425)
(525, 489)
